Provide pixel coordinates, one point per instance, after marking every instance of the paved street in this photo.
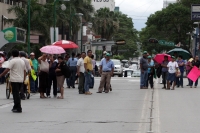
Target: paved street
(125, 110)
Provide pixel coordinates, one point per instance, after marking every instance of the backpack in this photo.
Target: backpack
(65, 70)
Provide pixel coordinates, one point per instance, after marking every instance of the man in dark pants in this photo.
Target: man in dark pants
(80, 72)
(52, 77)
(17, 76)
(164, 71)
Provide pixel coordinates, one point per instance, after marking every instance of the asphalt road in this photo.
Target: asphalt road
(127, 109)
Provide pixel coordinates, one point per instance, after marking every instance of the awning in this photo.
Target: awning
(103, 43)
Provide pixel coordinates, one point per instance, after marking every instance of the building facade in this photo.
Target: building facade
(97, 4)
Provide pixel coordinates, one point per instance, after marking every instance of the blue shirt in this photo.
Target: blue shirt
(149, 65)
(165, 69)
(181, 67)
(72, 62)
(106, 66)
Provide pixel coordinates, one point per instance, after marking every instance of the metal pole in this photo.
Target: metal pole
(55, 20)
(62, 31)
(2, 23)
(29, 17)
(81, 35)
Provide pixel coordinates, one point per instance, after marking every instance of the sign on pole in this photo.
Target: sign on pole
(195, 12)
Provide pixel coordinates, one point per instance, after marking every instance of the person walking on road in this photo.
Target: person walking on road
(60, 76)
(80, 72)
(34, 83)
(43, 75)
(164, 71)
(196, 63)
(172, 70)
(88, 71)
(17, 71)
(72, 62)
(106, 71)
(150, 72)
(181, 64)
(144, 71)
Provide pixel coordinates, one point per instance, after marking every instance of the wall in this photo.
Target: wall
(104, 3)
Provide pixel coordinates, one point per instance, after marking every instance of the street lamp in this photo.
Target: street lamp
(63, 7)
(70, 25)
(198, 34)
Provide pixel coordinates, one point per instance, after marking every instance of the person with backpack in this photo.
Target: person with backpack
(60, 76)
(80, 73)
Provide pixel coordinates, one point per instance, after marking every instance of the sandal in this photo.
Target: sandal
(59, 97)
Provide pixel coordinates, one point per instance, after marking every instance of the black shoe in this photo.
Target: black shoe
(23, 98)
(110, 89)
(187, 85)
(99, 92)
(73, 87)
(91, 87)
(68, 87)
(81, 93)
(17, 110)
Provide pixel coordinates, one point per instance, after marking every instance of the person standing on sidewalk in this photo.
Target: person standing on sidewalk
(172, 70)
(196, 63)
(72, 62)
(150, 72)
(106, 71)
(88, 71)
(34, 83)
(164, 71)
(144, 71)
(17, 71)
(80, 72)
(52, 77)
(92, 77)
(181, 64)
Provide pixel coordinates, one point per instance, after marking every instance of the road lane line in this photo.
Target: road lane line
(157, 111)
(142, 126)
(6, 105)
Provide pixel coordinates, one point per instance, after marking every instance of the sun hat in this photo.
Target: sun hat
(107, 54)
(32, 53)
(145, 52)
(149, 57)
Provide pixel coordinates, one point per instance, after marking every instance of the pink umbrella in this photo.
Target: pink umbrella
(52, 49)
(160, 58)
(65, 44)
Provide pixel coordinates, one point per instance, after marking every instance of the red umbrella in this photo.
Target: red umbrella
(160, 58)
(65, 44)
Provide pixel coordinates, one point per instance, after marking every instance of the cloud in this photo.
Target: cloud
(139, 10)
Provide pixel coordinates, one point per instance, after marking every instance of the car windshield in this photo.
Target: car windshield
(116, 62)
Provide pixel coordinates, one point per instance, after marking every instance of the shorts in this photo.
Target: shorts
(171, 77)
(60, 81)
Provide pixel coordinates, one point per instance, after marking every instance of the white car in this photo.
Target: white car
(118, 70)
(136, 73)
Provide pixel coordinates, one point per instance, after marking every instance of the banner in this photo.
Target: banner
(194, 74)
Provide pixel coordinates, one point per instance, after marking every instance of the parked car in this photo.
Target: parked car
(136, 73)
(118, 70)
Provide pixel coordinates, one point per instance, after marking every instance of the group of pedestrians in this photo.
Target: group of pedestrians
(172, 71)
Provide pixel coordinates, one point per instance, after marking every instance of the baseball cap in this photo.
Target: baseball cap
(149, 57)
(32, 53)
(145, 52)
(107, 54)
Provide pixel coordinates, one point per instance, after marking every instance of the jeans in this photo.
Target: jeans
(32, 84)
(164, 78)
(179, 80)
(150, 80)
(92, 82)
(143, 78)
(87, 81)
(68, 82)
(196, 83)
(16, 86)
(73, 70)
(52, 78)
(81, 82)
(2, 79)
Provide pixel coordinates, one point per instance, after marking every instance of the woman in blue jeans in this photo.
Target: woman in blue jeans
(72, 63)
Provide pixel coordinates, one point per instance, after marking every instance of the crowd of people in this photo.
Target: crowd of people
(172, 71)
(52, 70)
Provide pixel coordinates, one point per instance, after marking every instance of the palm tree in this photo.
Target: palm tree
(105, 23)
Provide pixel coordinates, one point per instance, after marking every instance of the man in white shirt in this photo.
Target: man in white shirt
(17, 76)
(80, 72)
(172, 70)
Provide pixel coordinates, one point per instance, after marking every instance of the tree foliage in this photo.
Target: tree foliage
(170, 24)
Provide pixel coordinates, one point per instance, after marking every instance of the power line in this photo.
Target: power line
(121, 2)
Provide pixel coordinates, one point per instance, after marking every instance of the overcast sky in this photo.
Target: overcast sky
(139, 10)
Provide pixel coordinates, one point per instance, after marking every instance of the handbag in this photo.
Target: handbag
(178, 73)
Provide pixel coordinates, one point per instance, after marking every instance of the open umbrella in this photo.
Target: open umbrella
(160, 57)
(65, 44)
(52, 49)
(179, 51)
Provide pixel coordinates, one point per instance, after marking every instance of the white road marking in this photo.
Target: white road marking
(157, 111)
